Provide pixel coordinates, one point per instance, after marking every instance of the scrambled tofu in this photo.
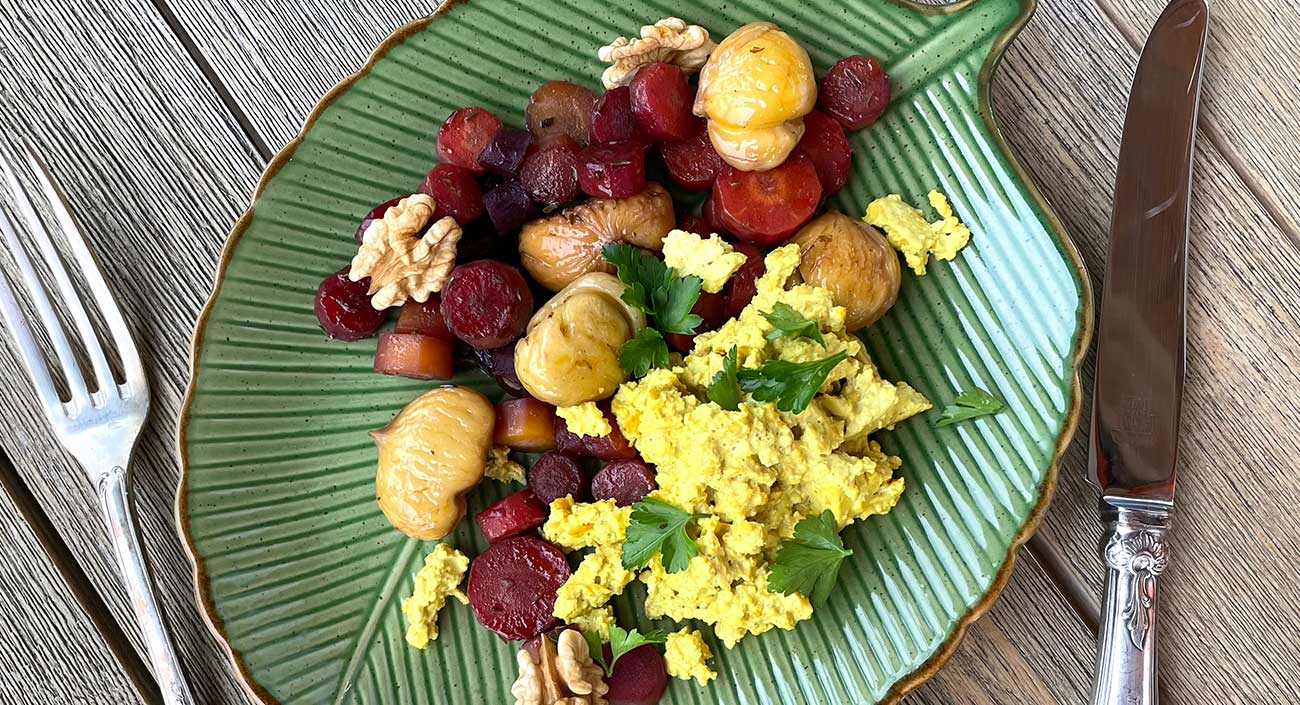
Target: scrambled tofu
(501, 468)
(687, 656)
(584, 419)
(711, 259)
(917, 238)
(755, 471)
(443, 570)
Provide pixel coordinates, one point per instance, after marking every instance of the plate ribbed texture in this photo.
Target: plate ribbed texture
(304, 574)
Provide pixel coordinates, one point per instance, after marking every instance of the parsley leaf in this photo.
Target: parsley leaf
(724, 390)
(642, 353)
(810, 562)
(653, 287)
(792, 385)
(789, 323)
(968, 405)
(659, 527)
(621, 641)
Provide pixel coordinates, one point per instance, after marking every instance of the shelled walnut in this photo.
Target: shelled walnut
(403, 260)
(669, 40)
(563, 674)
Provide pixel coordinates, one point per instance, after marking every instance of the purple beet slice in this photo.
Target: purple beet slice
(556, 475)
(512, 586)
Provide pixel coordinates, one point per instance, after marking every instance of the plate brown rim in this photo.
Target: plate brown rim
(945, 650)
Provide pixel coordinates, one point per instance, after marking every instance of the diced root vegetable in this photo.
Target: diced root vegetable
(661, 102)
(550, 172)
(640, 677)
(711, 308)
(556, 475)
(499, 363)
(525, 424)
(509, 207)
(423, 318)
(513, 586)
(505, 152)
(486, 303)
(692, 162)
(464, 135)
(624, 481)
(855, 91)
(519, 513)
(612, 170)
(568, 442)
(343, 307)
(611, 119)
(613, 446)
(455, 190)
(766, 207)
(826, 145)
(742, 285)
(414, 355)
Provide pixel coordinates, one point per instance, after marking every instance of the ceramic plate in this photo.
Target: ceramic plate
(301, 576)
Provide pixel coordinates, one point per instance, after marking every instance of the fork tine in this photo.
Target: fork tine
(62, 350)
(94, 349)
(28, 349)
(103, 296)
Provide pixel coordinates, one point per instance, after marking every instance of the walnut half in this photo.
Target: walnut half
(669, 40)
(403, 260)
(564, 674)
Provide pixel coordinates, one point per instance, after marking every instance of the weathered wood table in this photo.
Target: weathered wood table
(158, 115)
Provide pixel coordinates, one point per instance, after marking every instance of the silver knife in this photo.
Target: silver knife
(1140, 349)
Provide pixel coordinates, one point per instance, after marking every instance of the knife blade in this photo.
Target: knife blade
(1137, 397)
(1140, 338)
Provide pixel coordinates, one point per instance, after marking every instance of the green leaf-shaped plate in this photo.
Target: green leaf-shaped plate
(302, 577)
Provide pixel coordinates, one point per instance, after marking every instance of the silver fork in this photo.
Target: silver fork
(98, 428)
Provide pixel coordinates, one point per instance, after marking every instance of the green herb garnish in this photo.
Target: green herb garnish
(643, 352)
(724, 390)
(659, 527)
(968, 405)
(621, 641)
(810, 562)
(789, 323)
(792, 385)
(655, 288)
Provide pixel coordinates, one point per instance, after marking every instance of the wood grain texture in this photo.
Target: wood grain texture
(1229, 598)
(157, 171)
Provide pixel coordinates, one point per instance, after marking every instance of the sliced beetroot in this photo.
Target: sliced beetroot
(509, 207)
(499, 364)
(613, 169)
(624, 481)
(712, 217)
(568, 442)
(826, 145)
(550, 172)
(464, 135)
(486, 303)
(611, 119)
(512, 586)
(343, 307)
(693, 162)
(855, 91)
(519, 513)
(661, 102)
(640, 677)
(742, 285)
(694, 224)
(711, 308)
(455, 190)
(505, 152)
(375, 214)
(556, 475)
(613, 446)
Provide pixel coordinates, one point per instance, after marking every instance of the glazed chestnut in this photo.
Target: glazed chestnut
(854, 262)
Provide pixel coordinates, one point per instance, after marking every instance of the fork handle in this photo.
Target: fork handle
(135, 574)
(1136, 552)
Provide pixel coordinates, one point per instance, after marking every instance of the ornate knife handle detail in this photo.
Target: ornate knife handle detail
(1136, 553)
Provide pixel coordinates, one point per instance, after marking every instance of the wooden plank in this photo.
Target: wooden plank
(1228, 598)
(158, 170)
(276, 83)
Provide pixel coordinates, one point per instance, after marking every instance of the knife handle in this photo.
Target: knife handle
(1136, 552)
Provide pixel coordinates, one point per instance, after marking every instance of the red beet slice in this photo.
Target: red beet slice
(824, 143)
(624, 481)
(611, 119)
(742, 285)
(464, 135)
(693, 162)
(855, 91)
(640, 677)
(712, 218)
(661, 102)
(766, 207)
(556, 475)
(517, 514)
(343, 307)
(613, 446)
(512, 586)
(694, 224)
(486, 303)
(375, 214)
(612, 170)
(568, 442)
(456, 192)
(509, 207)
(550, 172)
(505, 152)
